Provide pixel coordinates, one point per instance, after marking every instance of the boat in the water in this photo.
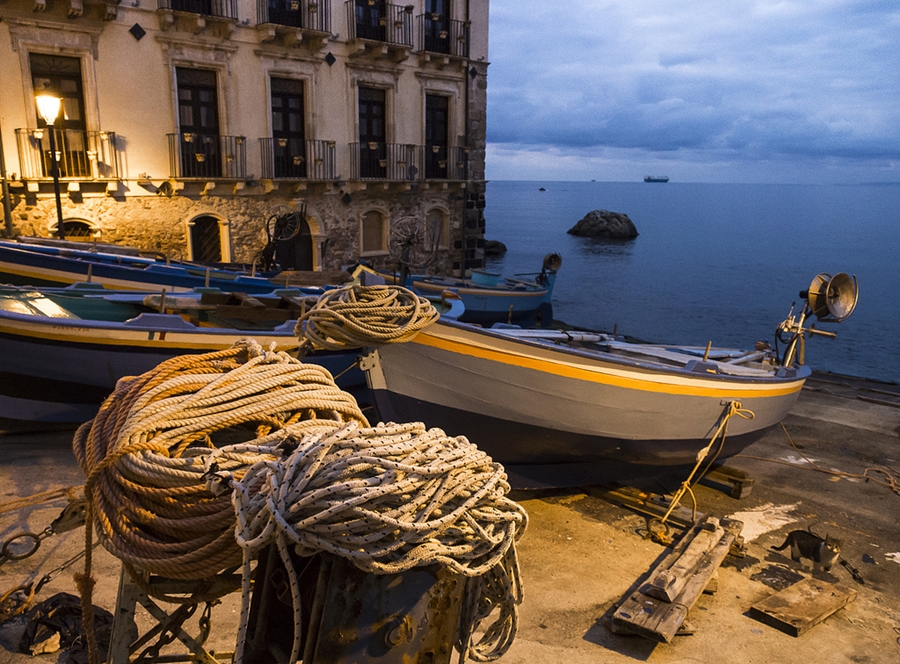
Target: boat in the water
(656, 178)
(560, 407)
(64, 349)
(31, 264)
(489, 298)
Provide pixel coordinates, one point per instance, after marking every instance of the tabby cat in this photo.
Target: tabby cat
(824, 552)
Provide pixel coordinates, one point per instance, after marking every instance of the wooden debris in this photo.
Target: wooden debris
(801, 606)
(740, 481)
(686, 573)
(651, 504)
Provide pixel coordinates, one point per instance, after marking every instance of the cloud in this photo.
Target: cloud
(742, 80)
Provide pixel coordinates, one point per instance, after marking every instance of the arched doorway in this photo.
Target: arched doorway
(296, 253)
(206, 240)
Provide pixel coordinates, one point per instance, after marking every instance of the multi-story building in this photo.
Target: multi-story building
(184, 123)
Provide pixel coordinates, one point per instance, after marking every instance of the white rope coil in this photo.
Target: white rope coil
(390, 498)
(357, 316)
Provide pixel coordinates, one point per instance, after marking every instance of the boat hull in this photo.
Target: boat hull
(22, 266)
(527, 405)
(60, 370)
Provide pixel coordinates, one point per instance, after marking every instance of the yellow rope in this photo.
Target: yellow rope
(733, 408)
(357, 316)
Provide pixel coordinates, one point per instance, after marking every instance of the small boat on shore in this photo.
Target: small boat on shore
(64, 349)
(489, 298)
(562, 407)
(29, 264)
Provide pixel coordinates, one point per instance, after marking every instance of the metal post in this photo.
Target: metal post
(4, 192)
(54, 160)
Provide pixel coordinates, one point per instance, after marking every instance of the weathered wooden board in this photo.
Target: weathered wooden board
(667, 584)
(660, 620)
(799, 607)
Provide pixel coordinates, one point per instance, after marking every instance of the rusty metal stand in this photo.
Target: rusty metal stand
(126, 647)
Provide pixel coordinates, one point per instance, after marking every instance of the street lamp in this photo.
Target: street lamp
(48, 107)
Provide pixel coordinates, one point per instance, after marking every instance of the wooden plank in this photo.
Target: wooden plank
(667, 584)
(660, 620)
(799, 607)
(651, 504)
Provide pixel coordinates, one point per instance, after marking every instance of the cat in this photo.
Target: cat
(824, 552)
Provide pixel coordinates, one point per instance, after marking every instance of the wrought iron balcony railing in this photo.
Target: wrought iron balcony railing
(217, 8)
(380, 21)
(446, 163)
(195, 155)
(294, 159)
(403, 161)
(438, 34)
(87, 155)
(305, 14)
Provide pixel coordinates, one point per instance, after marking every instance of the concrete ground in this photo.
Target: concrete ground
(581, 554)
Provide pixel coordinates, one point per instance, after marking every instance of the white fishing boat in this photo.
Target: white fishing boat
(593, 406)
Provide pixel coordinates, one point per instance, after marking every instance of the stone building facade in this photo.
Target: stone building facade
(186, 124)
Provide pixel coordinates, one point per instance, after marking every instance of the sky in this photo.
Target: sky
(752, 91)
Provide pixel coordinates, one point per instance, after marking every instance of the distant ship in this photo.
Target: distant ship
(656, 178)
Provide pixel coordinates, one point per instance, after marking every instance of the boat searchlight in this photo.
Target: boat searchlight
(830, 300)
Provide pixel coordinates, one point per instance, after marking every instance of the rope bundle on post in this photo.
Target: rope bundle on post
(357, 316)
(194, 466)
(388, 499)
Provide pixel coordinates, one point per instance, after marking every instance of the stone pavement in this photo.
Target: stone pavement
(581, 554)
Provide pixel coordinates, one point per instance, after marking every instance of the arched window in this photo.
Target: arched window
(206, 240)
(76, 230)
(373, 232)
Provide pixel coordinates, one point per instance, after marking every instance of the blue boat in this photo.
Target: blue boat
(29, 264)
(489, 298)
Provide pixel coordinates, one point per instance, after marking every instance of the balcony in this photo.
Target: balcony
(293, 159)
(83, 155)
(219, 16)
(403, 162)
(379, 29)
(294, 21)
(207, 156)
(438, 34)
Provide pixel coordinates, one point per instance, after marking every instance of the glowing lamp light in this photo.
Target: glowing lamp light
(48, 107)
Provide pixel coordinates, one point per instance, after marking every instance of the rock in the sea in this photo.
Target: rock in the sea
(605, 224)
(494, 248)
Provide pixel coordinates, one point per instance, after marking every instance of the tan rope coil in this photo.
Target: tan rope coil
(169, 463)
(389, 498)
(357, 316)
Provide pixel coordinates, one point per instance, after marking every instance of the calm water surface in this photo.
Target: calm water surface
(717, 262)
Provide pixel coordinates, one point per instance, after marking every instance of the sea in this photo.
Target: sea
(714, 262)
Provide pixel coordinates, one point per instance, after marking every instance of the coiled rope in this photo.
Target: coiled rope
(176, 456)
(356, 316)
(387, 498)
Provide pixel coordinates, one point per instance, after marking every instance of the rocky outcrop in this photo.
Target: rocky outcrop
(494, 248)
(605, 224)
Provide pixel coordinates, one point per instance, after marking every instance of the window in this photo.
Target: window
(370, 19)
(206, 240)
(198, 119)
(288, 132)
(436, 27)
(61, 77)
(372, 129)
(436, 133)
(374, 232)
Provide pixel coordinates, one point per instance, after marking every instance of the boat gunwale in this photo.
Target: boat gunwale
(622, 367)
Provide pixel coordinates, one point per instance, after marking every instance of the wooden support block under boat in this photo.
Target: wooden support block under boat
(659, 620)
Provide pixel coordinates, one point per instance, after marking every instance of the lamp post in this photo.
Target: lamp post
(48, 107)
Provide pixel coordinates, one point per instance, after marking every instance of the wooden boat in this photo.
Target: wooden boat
(489, 298)
(64, 349)
(38, 265)
(563, 407)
